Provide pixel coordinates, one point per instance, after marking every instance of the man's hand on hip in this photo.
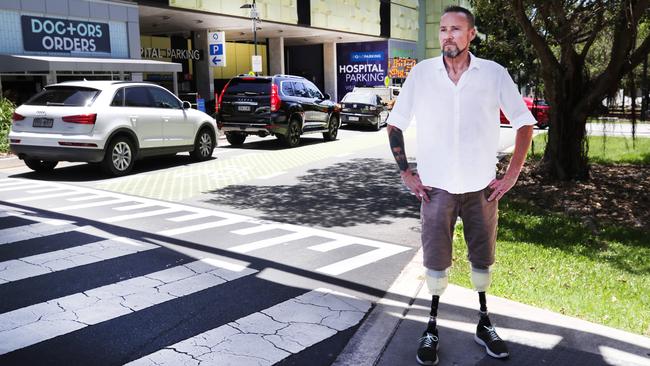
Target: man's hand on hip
(414, 184)
(501, 186)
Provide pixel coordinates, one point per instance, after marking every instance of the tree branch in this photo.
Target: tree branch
(622, 44)
(637, 57)
(544, 52)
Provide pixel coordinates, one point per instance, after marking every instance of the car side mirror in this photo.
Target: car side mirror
(186, 105)
(327, 96)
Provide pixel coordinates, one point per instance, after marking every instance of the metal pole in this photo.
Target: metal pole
(254, 13)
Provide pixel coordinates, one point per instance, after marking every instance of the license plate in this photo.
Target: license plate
(352, 118)
(43, 122)
(244, 108)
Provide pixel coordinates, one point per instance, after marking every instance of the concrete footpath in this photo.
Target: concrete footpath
(389, 336)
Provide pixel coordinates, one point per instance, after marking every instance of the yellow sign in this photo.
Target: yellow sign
(399, 67)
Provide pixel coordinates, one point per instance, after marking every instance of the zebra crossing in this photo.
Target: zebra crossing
(89, 276)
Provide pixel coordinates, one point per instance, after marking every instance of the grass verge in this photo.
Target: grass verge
(606, 150)
(553, 261)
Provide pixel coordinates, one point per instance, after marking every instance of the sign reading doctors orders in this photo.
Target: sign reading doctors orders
(64, 36)
(217, 48)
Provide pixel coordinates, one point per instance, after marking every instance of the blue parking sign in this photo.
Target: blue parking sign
(216, 49)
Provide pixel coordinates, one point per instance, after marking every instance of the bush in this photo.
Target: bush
(6, 111)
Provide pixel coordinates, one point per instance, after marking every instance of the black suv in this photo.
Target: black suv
(282, 105)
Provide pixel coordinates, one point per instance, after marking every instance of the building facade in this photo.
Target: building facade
(337, 44)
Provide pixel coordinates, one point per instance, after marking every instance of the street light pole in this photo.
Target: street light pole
(254, 17)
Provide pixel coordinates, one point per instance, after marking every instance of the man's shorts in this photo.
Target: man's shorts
(479, 225)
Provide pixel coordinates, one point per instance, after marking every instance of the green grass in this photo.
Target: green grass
(553, 262)
(6, 110)
(606, 149)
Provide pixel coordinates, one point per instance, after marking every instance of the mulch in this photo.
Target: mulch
(614, 195)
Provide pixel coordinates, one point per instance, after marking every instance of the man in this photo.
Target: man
(455, 101)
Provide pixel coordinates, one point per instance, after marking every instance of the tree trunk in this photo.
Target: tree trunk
(645, 93)
(565, 157)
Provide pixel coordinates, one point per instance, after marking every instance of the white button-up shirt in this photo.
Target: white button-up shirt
(458, 124)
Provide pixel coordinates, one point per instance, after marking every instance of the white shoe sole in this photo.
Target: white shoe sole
(480, 342)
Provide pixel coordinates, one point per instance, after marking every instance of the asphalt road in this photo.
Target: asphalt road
(262, 255)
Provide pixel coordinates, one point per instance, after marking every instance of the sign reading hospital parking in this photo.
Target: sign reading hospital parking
(217, 48)
(360, 64)
(64, 36)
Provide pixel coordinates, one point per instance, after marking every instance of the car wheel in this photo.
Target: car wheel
(203, 146)
(120, 157)
(40, 166)
(292, 138)
(235, 138)
(332, 129)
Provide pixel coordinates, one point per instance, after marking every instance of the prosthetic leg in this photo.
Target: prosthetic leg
(485, 333)
(428, 350)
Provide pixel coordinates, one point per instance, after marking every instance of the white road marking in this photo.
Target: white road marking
(331, 245)
(42, 197)
(112, 201)
(265, 243)
(139, 215)
(17, 188)
(380, 250)
(36, 265)
(133, 207)
(31, 231)
(385, 251)
(256, 229)
(189, 217)
(268, 336)
(36, 323)
(199, 227)
(45, 190)
(85, 198)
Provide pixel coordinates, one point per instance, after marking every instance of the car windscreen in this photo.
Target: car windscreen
(68, 96)
(252, 86)
(359, 98)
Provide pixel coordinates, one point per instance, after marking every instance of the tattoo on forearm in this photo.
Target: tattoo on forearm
(396, 139)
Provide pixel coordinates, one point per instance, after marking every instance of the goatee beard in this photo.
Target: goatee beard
(453, 53)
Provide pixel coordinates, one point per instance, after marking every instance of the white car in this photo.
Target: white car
(113, 123)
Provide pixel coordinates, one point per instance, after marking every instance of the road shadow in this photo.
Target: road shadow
(359, 191)
(271, 143)
(93, 172)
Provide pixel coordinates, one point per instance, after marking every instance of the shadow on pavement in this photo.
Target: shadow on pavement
(93, 171)
(344, 194)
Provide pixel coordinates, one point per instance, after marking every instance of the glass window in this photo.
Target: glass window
(249, 86)
(360, 98)
(287, 88)
(68, 96)
(313, 91)
(138, 96)
(118, 99)
(299, 89)
(163, 99)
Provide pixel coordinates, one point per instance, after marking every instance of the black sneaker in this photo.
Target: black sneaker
(428, 349)
(487, 337)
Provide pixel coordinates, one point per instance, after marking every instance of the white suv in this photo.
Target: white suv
(113, 123)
